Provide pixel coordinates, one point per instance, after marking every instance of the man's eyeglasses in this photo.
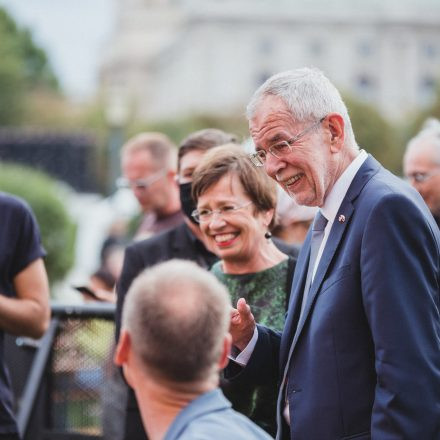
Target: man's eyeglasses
(205, 215)
(422, 177)
(122, 182)
(281, 149)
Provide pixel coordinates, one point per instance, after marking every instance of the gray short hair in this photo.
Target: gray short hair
(430, 133)
(177, 315)
(309, 95)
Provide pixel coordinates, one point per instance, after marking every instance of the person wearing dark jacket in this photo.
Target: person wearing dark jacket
(183, 242)
(359, 354)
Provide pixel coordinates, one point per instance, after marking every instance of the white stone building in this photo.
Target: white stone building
(174, 58)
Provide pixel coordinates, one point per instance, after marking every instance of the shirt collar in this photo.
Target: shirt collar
(337, 193)
(209, 402)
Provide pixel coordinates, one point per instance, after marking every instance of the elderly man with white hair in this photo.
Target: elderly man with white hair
(421, 165)
(359, 355)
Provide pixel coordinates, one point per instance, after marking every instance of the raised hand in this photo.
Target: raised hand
(242, 324)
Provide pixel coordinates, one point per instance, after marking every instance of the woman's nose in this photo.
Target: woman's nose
(216, 221)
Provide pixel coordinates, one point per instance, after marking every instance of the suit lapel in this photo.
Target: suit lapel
(334, 239)
(297, 290)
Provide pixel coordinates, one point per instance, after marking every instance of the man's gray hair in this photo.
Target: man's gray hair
(430, 133)
(177, 315)
(163, 151)
(308, 94)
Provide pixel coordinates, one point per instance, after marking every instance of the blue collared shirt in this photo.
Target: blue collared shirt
(211, 417)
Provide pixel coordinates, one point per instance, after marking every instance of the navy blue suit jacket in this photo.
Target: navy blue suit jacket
(366, 352)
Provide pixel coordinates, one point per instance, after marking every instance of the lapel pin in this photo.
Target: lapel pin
(341, 218)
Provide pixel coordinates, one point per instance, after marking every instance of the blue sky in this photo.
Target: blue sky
(72, 33)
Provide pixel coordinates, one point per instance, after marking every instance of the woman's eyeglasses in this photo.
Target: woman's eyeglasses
(205, 215)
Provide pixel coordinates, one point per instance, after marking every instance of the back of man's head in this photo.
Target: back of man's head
(162, 150)
(177, 315)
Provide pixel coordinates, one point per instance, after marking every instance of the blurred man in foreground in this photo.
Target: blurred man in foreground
(173, 344)
(24, 290)
(421, 165)
(148, 163)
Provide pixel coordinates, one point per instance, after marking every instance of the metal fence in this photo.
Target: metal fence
(61, 381)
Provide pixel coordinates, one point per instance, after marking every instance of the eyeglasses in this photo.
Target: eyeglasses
(205, 215)
(422, 177)
(122, 182)
(281, 149)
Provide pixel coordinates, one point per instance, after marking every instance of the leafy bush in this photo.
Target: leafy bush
(24, 67)
(411, 126)
(58, 231)
(178, 129)
(375, 134)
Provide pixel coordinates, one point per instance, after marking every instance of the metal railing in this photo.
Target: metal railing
(60, 381)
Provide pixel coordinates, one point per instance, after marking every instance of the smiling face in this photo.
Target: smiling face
(236, 236)
(307, 173)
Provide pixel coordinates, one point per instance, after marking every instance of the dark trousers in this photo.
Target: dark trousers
(9, 437)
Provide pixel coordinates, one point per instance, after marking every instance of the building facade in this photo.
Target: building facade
(170, 59)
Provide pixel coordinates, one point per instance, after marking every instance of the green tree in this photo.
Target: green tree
(411, 128)
(178, 129)
(374, 133)
(24, 67)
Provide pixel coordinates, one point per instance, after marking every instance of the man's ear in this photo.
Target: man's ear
(226, 350)
(122, 349)
(334, 123)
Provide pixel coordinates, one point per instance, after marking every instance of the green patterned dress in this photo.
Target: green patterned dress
(267, 294)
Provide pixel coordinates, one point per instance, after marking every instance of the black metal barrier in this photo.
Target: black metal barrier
(60, 381)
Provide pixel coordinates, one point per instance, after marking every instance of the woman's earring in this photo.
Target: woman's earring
(268, 235)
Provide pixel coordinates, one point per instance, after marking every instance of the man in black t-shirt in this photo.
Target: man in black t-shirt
(24, 291)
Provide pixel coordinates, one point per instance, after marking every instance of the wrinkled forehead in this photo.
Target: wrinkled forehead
(271, 119)
(266, 107)
(140, 158)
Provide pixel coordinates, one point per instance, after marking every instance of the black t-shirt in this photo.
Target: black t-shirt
(20, 245)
